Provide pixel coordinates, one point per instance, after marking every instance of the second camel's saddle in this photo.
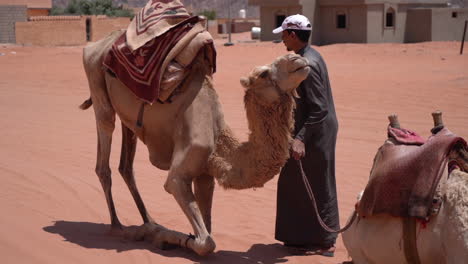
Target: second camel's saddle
(406, 173)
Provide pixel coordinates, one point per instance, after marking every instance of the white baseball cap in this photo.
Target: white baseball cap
(299, 22)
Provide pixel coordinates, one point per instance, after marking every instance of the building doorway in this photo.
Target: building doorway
(279, 20)
(88, 29)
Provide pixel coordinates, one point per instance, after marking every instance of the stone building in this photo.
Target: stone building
(33, 7)
(367, 21)
(12, 11)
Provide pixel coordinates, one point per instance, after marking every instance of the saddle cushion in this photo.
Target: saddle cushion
(404, 177)
(178, 67)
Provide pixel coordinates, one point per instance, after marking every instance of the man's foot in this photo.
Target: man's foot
(327, 252)
(310, 250)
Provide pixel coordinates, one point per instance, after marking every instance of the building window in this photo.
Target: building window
(341, 20)
(279, 20)
(454, 14)
(390, 18)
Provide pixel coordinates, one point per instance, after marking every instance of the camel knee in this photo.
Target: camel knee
(106, 126)
(105, 117)
(203, 246)
(104, 175)
(175, 185)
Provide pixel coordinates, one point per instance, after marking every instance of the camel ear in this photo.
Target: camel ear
(245, 82)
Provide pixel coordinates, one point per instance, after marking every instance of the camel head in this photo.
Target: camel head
(282, 76)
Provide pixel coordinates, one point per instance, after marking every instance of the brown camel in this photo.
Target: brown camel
(190, 139)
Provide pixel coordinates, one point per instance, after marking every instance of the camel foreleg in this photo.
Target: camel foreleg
(181, 189)
(204, 188)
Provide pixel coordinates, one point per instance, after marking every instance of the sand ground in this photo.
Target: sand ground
(52, 206)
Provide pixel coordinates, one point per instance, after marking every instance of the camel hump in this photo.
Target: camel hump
(95, 52)
(86, 104)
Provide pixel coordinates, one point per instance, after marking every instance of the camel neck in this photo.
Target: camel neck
(251, 164)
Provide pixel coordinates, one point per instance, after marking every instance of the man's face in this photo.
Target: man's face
(288, 39)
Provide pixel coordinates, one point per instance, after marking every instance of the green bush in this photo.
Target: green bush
(56, 11)
(92, 7)
(209, 14)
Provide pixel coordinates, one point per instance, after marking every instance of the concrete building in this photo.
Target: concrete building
(273, 12)
(33, 7)
(435, 24)
(12, 11)
(367, 21)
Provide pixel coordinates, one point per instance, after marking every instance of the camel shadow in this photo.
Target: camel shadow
(95, 236)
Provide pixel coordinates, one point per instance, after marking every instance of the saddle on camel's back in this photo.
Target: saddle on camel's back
(153, 56)
(407, 173)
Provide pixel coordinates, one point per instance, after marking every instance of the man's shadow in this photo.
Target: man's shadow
(95, 236)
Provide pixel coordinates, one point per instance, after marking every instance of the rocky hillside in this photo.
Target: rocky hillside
(64, 3)
(220, 6)
(459, 3)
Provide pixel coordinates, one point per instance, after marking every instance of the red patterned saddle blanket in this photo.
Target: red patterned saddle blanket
(406, 173)
(141, 70)
(161, 33)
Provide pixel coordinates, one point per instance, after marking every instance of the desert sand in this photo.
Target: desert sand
(51, 203)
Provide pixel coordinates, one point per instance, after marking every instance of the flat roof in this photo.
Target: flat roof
(29, 3)
(274, 2)
(342, 2)
(369, 2)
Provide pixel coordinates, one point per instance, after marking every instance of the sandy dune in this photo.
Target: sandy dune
(52, 206)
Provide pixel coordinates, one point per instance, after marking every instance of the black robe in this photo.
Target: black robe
(316, 125)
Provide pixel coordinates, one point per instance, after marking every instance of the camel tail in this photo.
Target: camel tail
(86, 104)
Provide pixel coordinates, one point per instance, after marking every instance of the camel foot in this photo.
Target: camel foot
(166, 239)
(202, 247)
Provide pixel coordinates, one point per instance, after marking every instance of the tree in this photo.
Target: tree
(209, 14)
(92, 7)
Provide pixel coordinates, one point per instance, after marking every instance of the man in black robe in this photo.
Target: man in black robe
(314, 141)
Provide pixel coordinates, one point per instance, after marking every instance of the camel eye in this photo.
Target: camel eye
(264, 74)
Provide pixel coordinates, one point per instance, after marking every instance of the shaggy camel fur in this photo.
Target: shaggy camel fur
(190, 139)
(443, 240)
